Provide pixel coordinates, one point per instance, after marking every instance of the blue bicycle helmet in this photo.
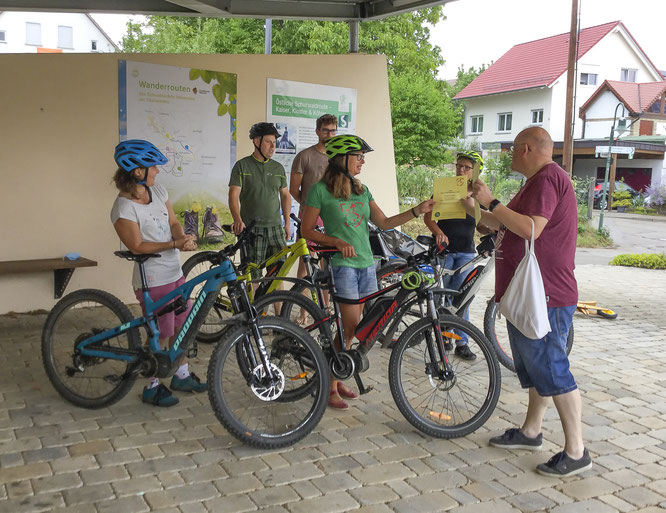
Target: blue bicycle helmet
(138, 153)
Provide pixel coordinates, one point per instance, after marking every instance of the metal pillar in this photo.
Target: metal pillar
(604, 190)
(268, 35)
(353, 36)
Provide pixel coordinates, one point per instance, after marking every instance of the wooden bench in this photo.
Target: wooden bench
(61, 267)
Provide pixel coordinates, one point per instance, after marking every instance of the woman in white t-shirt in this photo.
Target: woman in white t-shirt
(146, 223)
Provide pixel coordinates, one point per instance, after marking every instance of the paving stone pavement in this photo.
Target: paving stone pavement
(133, 458)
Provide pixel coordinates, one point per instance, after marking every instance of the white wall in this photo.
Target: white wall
(599, 116)
(519, 104)
(83, 32)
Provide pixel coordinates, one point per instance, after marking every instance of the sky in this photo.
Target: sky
(477, 32)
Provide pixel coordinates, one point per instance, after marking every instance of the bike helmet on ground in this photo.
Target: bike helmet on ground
(473, 156)
(345, 144)
(262, 129)
(138, 153)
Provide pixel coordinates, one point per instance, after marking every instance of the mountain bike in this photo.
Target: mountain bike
(276, 269)
(438, 393)
(456, 302)
(94, 349)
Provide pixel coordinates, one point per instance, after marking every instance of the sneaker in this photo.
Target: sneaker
(212, 231)
(464, 352)
(562, 465)
(191, 383)
(515, 439)
(159, 396)
(191, 222)
(448, 345)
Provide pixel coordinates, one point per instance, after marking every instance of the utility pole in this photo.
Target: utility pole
(268, 36)
(567, 147)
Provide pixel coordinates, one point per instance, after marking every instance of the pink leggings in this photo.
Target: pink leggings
(166, 323)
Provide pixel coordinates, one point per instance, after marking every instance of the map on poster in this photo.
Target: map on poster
(190, 115)
(294, 108)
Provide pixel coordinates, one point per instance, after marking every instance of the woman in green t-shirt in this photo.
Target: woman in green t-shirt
(345, 205)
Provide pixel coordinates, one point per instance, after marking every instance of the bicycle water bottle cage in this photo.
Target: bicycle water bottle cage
(141, 258)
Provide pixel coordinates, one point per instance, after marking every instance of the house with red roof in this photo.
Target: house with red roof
(527, 87)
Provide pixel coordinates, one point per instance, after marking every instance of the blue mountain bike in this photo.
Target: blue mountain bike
(268, 381)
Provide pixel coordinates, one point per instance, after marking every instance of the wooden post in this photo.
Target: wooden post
(567, 148)
(611, 181)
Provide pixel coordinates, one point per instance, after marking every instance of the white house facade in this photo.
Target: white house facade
(35, 32)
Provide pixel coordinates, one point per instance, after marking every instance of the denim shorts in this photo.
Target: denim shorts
(352, 283)
(543, 363)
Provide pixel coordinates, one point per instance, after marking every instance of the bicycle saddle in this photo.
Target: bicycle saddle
(426, 240)
(128, 255)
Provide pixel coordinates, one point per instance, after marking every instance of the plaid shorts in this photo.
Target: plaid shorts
(267, 240)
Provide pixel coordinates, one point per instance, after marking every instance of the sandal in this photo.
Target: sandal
(335, 401)
(346, 392)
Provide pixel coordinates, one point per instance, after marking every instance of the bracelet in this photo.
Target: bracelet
(493, 204)
(414, 212)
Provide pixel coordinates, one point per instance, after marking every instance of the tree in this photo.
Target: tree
(424, 117)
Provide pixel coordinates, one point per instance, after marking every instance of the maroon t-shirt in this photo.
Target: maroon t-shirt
(549, 194)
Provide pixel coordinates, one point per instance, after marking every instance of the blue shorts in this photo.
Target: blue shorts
(353, 283)
(543, 363)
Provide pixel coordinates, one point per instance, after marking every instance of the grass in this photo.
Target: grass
(589, 237)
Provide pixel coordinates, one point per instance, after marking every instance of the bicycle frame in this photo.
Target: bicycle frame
(214, 278)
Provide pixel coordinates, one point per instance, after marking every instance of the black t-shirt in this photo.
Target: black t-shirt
(460, 233)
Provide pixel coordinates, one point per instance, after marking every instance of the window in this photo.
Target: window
(504, 122)
(3, 36)
(93, 46)
(588, 79)
(628, 75)
(537, 117)
(65, 37)
(33, 34)
(477, 125)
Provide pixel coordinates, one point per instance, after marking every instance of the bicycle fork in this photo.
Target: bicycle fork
(433, 369)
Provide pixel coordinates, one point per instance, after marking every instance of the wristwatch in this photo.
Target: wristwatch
(493, 204)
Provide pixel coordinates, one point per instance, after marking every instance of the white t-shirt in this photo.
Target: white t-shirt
(153, 221)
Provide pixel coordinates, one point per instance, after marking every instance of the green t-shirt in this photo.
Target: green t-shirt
(346, 219)
(260, 184)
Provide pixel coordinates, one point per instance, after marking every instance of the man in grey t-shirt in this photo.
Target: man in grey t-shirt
(309, 166)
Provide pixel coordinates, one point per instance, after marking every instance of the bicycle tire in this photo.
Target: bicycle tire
(500, 340)
(268, 423)
(212, 327)
(440, 408)
(77, 316)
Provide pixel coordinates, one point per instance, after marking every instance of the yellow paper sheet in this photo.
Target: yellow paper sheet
(447, 195)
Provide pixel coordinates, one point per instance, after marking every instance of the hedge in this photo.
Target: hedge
(644, 260)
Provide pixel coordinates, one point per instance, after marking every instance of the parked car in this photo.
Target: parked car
(619, 186)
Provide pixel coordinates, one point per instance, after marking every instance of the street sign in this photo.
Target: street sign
(602, 151)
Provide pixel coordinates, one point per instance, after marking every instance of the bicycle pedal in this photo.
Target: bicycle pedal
(193, 350)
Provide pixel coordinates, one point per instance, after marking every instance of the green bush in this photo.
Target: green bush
(643, 260)
(416, 181)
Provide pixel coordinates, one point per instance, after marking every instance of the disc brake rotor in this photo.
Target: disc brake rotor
(265, 388)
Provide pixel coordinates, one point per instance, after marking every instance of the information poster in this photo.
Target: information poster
(190, 115)
(294, 108)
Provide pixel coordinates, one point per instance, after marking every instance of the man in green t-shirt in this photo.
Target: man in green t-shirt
(258, 189)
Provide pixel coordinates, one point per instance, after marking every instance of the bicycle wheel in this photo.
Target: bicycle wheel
(444, 407)
(265, 413)
(497, 333)
(297, 307)
(87, 381)
(212, 328)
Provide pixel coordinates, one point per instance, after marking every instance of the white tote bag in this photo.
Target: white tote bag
(524, 302)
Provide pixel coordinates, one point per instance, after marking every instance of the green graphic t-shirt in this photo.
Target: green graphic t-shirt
(260, 184)
(346, 219)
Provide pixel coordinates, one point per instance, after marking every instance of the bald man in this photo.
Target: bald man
(542, 365)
